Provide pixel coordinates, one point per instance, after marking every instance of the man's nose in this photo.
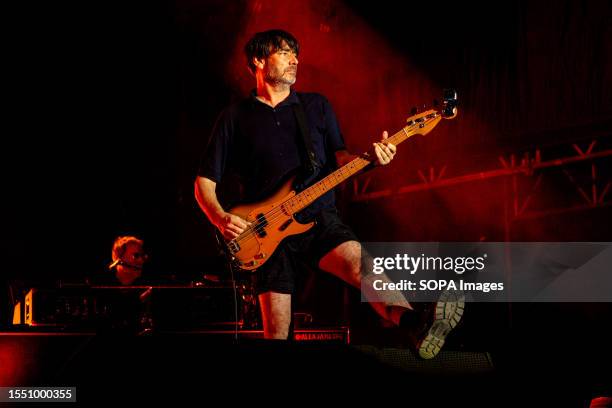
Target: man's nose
(293, 59)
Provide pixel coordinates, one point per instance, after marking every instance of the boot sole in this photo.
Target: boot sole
(449, 311)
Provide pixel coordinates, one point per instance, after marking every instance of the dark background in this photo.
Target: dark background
(110, 106)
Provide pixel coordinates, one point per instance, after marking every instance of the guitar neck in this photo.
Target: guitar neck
(309, 195)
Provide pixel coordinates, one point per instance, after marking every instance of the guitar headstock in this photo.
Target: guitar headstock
(423, 122)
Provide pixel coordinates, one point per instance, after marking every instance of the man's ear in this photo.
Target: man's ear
(259, 62)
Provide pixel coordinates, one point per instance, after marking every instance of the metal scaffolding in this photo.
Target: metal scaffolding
(593, 192)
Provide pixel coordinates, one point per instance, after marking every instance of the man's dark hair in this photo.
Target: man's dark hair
(262, 44)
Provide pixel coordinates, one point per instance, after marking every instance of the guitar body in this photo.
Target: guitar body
(253, 248)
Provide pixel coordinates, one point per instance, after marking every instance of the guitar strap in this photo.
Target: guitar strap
(310, 164)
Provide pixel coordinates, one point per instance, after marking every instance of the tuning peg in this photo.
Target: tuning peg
(450, 103)
(450, 95)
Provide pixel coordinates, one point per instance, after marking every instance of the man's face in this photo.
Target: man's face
(281, 66)
(134, 255)
(133, 260)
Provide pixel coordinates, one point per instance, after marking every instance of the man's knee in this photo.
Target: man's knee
(344, 260)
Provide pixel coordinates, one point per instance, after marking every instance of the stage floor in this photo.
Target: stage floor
(204, 366)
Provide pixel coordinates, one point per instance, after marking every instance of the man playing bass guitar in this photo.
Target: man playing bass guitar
(259, 143)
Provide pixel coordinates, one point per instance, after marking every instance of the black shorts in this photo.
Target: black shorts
(280, 272)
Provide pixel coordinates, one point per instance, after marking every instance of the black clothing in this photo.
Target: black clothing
(257, 147)
(280, 273)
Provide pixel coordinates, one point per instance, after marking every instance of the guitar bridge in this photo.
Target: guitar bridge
(233, 246)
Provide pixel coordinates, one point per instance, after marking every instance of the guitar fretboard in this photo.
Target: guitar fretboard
(309, 195)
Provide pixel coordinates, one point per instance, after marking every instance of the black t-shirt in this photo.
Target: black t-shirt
(255, 147)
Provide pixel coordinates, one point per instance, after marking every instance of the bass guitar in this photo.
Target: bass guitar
(273, 219)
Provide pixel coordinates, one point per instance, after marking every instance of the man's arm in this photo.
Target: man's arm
(230, 225)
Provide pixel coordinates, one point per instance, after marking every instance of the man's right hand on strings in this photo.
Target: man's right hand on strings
(231, 225)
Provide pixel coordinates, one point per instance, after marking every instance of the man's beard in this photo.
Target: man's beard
(276, 79)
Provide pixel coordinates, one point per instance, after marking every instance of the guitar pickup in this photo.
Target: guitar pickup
(262, 224)
(285, 225)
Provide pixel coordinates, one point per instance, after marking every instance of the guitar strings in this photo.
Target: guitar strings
(274, 214)
(252, 231)
(271, 216)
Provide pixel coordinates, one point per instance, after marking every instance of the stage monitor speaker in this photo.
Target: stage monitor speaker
(447, 362)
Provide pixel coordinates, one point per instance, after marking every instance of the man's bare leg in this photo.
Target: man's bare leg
(276, 314)
(345, 262)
